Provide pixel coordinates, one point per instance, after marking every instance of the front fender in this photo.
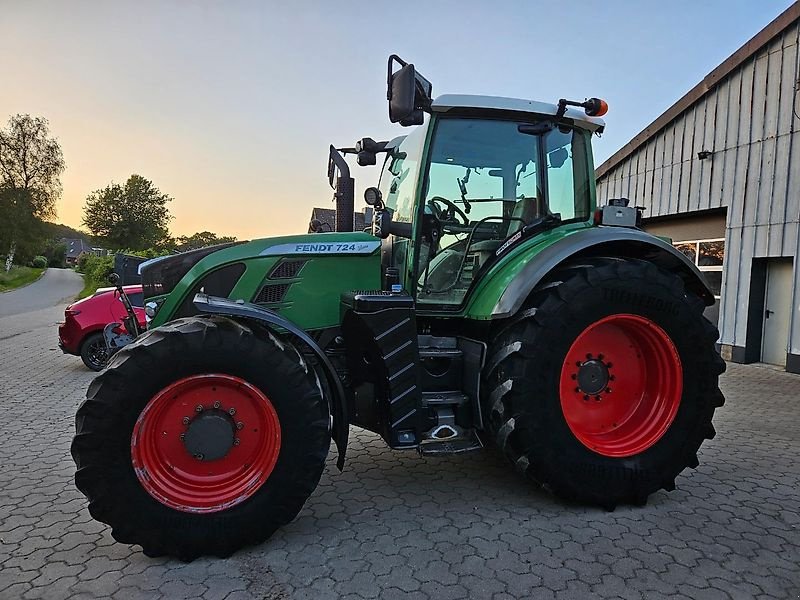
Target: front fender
(275, 322)
(598, 241)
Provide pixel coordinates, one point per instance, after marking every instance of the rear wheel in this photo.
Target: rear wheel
(94, 353)
(201, 437)
(603, 389)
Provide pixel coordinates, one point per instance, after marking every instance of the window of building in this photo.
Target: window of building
(708, 255)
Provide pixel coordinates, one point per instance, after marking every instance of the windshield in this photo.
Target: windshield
(485, 182)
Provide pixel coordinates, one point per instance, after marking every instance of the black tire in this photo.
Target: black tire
(195, 345)
(94, 353)
(522, 404)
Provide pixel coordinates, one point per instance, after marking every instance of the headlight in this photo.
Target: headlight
(150, 309)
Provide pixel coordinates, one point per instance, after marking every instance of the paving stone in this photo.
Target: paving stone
(397, 525)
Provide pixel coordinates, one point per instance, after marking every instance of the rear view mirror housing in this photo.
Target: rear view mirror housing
(408, 93)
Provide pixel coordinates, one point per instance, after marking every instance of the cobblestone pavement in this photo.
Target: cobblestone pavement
(396, 525)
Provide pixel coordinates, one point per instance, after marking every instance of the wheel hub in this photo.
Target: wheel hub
(593, 376)
(210, 435)
(621, 385)
(205, 443)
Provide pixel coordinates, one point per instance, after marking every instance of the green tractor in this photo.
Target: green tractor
(491, 301)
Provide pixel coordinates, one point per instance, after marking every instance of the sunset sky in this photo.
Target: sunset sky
(229, 107)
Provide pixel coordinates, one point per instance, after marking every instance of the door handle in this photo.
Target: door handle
(768, 312)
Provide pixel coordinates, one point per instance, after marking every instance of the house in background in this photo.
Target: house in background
(719, 173)
(75, 247)
(326, 218)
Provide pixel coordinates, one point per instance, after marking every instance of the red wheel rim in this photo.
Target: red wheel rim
(621, 385)
(231, 420)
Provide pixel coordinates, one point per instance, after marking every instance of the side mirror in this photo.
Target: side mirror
(408, 93)
(113, 279)
(402, 90)
(367, 149)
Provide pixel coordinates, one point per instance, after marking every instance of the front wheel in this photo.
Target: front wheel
(201, 437)
(604, 387)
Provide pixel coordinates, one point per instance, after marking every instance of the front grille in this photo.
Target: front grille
(287, 269)
(269, 294)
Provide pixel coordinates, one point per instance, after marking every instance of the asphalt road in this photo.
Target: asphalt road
(56, 286)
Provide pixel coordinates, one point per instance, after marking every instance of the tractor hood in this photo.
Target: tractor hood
(321, 243)
(300, 276)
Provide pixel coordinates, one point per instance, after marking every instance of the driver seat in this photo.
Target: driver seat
(526, 209)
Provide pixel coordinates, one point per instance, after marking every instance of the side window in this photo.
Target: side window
(560, 174)
(137, 300)
(568, 176)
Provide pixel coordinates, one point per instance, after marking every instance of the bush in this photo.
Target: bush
(80, 266)
(56, 254)
(39, 262)
(98, 268)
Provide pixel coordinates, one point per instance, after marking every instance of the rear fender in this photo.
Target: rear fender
(276, 323)
(599, 241)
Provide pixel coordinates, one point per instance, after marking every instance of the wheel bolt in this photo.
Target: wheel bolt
(185, 420)
(577, 390)
(599, 357)
(216, 404)
(183, 436)
(231, 411)
(574, 376)
(586, 396)
(608, 390)
(609, 365)
(236, 442)
(198, 408)
(611, 378)
(589, 356)
(198, 456)
(597, 398)
(239, 425)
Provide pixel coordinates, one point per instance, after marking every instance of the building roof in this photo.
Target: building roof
(709, 82)
(327, 216)
(449, 101)
(76, 247)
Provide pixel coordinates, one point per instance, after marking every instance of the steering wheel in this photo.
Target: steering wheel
(449, 213)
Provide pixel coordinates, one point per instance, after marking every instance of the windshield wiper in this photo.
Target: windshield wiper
(462, 185)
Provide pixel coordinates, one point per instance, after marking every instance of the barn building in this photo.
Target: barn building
(719, 173)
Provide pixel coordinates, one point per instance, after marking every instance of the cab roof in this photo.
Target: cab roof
(448, 102)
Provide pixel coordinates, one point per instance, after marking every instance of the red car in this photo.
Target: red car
(81, 333)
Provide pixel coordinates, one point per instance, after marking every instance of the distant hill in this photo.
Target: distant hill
(58, 231)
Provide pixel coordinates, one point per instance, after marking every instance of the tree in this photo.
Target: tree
(201, 239)
(131, 216)
(56, 254)
(31, 163)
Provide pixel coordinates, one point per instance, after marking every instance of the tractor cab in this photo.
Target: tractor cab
(476, 176)
(465, 183)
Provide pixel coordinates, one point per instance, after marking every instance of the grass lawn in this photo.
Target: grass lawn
(89, 286)
(17, 277)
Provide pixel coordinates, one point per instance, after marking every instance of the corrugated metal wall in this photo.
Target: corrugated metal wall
(748, 122)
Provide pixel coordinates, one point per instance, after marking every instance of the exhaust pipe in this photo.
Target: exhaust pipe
(344, 191)
(345, 203)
